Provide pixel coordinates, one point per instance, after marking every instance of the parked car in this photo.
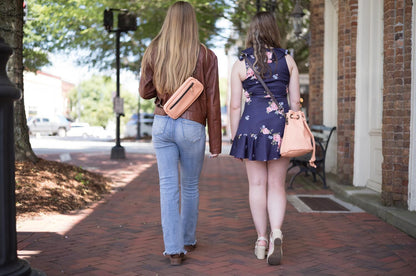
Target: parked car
(80, 129)
(84, 130)
(57, 125)
(146, 122)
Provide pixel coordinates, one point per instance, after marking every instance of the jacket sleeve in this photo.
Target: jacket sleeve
(213, 104)
(147, 89)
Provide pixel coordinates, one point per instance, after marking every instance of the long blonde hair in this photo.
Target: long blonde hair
(174, 51)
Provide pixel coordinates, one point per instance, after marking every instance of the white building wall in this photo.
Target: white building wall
(43, 94)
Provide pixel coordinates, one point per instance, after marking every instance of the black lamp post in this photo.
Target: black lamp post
(139, 131)
(9, 263)
(270, 5)
(126, 22)
(258, 5)
(296, 16)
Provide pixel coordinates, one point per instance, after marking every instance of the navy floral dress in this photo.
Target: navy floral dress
(262, 123)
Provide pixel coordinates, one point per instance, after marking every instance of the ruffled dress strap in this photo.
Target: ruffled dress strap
(280, 53)
(249, 52)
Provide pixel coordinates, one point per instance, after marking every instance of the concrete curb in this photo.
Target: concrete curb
(370, 201)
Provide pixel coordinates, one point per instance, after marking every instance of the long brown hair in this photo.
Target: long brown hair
(262, 33)
(174, 51)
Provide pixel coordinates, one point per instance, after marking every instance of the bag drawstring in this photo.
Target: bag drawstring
(312, 160)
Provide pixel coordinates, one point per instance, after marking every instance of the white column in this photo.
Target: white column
(369, 96)
(412, 151)
(330, 95)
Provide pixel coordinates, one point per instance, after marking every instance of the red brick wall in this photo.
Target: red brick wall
(316, 61)
(396, 100)
(347, 44)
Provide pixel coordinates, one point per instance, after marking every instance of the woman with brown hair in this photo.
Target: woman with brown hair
(174, 55)
(258, 132)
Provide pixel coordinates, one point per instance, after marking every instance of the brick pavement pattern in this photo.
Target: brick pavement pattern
(121, 235)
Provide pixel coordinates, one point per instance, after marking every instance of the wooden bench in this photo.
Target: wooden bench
(322, 135)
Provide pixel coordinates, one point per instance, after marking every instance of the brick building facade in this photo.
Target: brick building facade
(362, 79)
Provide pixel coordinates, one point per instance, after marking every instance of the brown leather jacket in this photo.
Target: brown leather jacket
(206, 108)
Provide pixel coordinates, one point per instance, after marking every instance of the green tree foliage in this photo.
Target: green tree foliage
(91, 101)
(146, 105)
(223, 83)
(67, 25)
(243, 11)
(76, 26)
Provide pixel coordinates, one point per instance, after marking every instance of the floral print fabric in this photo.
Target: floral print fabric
(262, 123)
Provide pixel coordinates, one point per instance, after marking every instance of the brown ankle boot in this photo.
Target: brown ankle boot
(176, 259)
(190, 248)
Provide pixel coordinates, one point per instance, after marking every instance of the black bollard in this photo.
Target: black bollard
(9, 263)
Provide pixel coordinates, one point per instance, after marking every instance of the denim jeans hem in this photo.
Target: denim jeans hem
(166, 253)
(192, 243)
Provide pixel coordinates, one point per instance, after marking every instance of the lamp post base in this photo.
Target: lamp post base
(20, 268)
(117, 152)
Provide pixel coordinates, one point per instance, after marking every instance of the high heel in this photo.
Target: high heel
(274, 256)
(260, 250)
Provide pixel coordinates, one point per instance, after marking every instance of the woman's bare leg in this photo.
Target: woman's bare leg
(276, 196)
(257, 178)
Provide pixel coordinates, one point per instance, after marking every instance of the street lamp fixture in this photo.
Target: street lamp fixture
(297, 15)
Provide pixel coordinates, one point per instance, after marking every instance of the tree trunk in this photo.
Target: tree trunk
(11, 29)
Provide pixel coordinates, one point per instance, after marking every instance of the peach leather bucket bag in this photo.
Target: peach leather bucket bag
(297, 138)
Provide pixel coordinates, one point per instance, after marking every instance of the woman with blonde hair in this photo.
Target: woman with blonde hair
(258, 132)
(174, 55)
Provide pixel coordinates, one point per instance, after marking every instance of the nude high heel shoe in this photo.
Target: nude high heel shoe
(260, 250)
(274, 256)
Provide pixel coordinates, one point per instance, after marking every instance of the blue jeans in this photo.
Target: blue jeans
(179, 145)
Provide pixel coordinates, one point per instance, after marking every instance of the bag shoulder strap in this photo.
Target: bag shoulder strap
(313, 158)
(259, 78)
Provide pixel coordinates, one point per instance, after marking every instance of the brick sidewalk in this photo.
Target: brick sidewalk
(121, 235)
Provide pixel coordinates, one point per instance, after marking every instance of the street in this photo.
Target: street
(62, 145)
